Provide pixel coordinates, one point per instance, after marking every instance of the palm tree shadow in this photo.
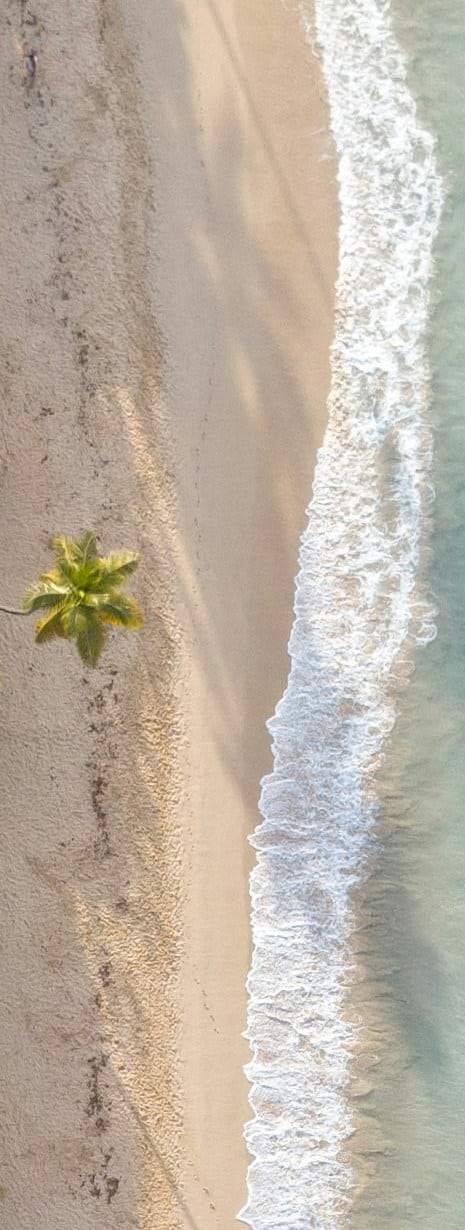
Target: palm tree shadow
(170, 1179)
(232, 283)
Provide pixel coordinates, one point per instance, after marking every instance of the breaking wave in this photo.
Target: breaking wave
(361, 606)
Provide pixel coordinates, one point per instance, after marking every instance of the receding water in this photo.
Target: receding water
(414, 907)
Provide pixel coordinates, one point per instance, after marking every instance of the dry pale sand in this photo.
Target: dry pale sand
(168, 238)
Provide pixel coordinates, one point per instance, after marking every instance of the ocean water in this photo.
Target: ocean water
(357, 988)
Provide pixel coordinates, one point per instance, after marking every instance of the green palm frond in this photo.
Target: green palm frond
(121, 610)
(88, 546)
(50, 626)
(54, 575)
(76, 551)
(91, 636)
(43, 595)
(64, 549)
(118, 566)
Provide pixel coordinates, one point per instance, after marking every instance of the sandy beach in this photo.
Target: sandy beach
(168, 235)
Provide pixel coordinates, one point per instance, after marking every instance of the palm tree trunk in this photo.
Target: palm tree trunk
(11, 610)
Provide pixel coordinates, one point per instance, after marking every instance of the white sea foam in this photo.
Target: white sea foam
(360, 607)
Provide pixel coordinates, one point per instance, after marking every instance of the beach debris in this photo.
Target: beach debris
(31, 63)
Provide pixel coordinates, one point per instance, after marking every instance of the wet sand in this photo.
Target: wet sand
(168, 262)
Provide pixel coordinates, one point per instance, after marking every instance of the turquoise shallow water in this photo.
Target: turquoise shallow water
(414, 904)
(357, 986)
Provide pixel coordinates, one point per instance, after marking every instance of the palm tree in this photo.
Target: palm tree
(81, 595)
